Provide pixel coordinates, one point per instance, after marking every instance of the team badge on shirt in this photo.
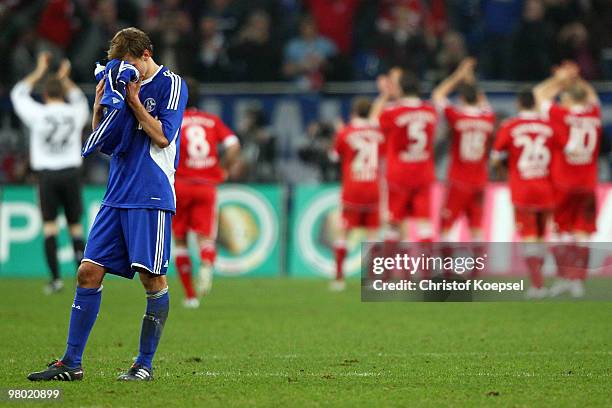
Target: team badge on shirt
(149, 104)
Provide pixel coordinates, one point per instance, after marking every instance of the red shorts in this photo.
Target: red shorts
(360, 216)
(531, 222)
(462, 200)
(407, 202)
(575, 211)
(195, 209)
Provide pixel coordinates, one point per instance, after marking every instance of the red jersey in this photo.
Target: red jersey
(358, 147)
(577, 147)
(471, 129)
(199, 159)
(409, 128)
(529, 140)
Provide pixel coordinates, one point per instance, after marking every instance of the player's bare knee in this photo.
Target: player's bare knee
(76, 230)
(50, 228)
(90, 275)
(151, 282)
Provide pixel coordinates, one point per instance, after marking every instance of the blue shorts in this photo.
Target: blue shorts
(124, 240)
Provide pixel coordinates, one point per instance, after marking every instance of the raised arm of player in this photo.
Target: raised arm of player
(25, 106)
(592, 96)
(464, 72)
(546, 91)
(74, 95)
(97, 108)
(384, 96)
(42, 65)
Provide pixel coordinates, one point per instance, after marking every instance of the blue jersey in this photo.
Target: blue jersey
(143, 177)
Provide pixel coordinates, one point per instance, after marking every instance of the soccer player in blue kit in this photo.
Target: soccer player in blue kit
(131, 232)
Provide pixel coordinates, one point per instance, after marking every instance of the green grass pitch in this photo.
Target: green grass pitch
(286, 343)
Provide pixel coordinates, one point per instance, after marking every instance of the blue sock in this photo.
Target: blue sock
(82, 318)
(158, 304)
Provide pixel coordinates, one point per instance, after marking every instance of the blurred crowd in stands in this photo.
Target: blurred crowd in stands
(304, 42)
(311, 41)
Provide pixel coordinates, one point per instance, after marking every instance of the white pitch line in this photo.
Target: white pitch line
(285, 374)
(331, 375)
(415, 354)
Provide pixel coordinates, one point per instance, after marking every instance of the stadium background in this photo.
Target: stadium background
(243, 52)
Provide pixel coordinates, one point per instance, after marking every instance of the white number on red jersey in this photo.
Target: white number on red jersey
(535, 156)
(417, 143)
(198, 147)
(364, 166)
(581, 143)
(472, 145)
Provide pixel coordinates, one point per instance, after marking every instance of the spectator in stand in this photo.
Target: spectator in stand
(103, 23)
(562, 12)
(255, 55)
(501, 19)
(212, 63)
(58, 23)
(307, 57)
(335, 20)
(227, 14)
(402, 38)
(171, 36)
(451, 53)
(532, 44)
(573, 43)
(258, 147)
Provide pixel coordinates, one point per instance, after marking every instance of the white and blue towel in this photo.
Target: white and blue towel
(113, 134)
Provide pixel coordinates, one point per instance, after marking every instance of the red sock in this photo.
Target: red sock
(208, 253)
(580, 265)
(391, 247)
(534, 265)
(560, 252)
(183, 267)
(478, 251)
(340, 251)
(447, 251)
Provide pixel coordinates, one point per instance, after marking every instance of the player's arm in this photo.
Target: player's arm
(500, 148)
(464, 72)
(165, 129)
(151, 126)
(231, 144)
(23, 103)
(42, 65)
(335, 150)
(546, 91)
(74, 95)
(384, 96)
(96, 117)
(592, 96)
(231, 157)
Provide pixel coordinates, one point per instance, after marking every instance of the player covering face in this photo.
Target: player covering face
(358, 146)
(131, 232)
